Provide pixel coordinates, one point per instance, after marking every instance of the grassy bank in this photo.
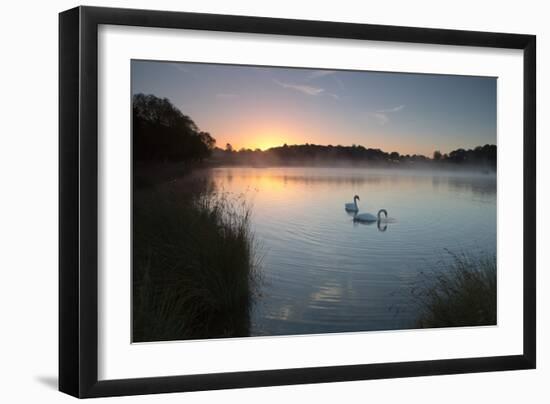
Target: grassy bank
(193, 264)
(460, 293)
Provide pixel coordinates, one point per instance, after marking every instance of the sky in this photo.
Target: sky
(262, 107)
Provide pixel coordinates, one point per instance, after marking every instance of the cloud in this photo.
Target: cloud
(226, 96)
(305, 89)
(383, 115)
(390, 110)
(319, 73)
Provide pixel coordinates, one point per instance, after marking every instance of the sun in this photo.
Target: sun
(264, 135)
(268, 144)
(267, 140)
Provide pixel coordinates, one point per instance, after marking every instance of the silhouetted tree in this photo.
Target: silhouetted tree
(481, 155)
(394, 155)
(357, 154)
(161, 132)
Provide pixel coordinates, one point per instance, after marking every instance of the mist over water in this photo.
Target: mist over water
(321, 272)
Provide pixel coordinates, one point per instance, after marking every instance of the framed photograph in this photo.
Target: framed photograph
(251, 201)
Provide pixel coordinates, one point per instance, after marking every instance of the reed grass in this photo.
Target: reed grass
(460, 293)
(194, 266)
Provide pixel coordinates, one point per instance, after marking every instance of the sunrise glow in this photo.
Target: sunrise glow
(263, 107)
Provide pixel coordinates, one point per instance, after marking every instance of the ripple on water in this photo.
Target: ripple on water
(324, 273)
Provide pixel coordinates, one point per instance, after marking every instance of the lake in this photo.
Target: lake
(321, 272)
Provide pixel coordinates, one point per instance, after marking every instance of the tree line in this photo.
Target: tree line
(162, 133)
(311, 153)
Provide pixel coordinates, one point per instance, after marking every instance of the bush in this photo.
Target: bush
(462, 293)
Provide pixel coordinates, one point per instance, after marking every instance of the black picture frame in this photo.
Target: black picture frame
(78, 201)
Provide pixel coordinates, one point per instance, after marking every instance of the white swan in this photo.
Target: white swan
(352, 207)
(369, 217)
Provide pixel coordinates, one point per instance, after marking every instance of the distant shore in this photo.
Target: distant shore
(480, 157)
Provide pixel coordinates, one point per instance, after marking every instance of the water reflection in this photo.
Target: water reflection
(323, 275)
(352, 180)
(381, 224)
(480, 184)
(466, 182)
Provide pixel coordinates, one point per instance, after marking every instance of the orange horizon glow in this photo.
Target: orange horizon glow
(258, 134)
(265, 139)
(264, 132)
(266, 147)
(266, 142)
(258, 107)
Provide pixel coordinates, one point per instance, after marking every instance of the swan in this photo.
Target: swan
(352, 207)
(369, 217)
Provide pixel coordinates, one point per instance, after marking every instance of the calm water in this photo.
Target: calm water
(323, 273)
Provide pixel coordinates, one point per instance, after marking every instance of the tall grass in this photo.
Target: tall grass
(193, 265)
(460, 293)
